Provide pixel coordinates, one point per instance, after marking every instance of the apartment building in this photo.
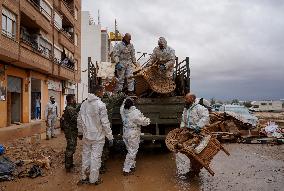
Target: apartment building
(40, 55)
(90, 49)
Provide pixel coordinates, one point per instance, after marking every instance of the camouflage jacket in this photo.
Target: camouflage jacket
(70, 119)
(112, 101)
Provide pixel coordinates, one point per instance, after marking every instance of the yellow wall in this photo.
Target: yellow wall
(3, 104)
(12, 71)
(16, 72)
(26, 77)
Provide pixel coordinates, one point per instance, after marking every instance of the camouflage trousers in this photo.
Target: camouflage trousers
(71, 139)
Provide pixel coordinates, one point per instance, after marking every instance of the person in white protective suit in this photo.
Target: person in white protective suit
(124, 57)
(164, 57)
(93, 127)
(51, 114)
(132, 120)
(194, 117)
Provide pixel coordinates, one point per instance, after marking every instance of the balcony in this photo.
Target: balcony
(66, 40)
(67, 8)
(63, 72)
(33, 60)
(67, 73)
(37, 15)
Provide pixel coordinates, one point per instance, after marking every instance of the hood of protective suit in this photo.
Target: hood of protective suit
(132, 117)
(92, 97)
(162, 41)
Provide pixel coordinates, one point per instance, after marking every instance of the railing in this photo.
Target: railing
(182, 71)
(67, 35)
(30, 41)
(68, 63)
(8, 34)
(40, 9)
(68, 7)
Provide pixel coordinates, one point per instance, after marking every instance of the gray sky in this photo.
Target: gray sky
(236, 47)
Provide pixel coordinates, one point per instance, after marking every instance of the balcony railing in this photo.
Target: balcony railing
(8, 34)
(30, 41)
(71, 10)
(67, 35)
(68, 63)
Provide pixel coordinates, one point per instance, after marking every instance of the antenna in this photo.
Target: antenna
(99, 17)
(115, 31)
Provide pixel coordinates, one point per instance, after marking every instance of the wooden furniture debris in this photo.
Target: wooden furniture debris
(186, 142)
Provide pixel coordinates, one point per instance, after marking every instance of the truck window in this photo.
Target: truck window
(255, 106)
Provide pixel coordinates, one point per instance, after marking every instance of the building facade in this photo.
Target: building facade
(106, 46)
(90, 49)
(40, 55)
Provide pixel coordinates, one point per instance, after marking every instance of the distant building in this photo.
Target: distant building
(267, 106)
(106, 46)
(90, 47)
(39, 55)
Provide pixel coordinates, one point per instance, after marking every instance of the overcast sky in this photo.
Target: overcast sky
(236, 47)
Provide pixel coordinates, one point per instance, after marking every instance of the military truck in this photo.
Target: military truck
(164, 110)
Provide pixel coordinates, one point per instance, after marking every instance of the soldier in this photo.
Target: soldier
(164, 57)
(51, 114)
(70, 130)
(194, 117)
(124, 57)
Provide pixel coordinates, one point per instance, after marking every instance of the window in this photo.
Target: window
(263, 104)
(76, 13)
(46, 9)
(57, 21)
(76, 39)
(270, 103)
(8, 23)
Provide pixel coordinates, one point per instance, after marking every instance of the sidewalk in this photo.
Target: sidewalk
(24, 130)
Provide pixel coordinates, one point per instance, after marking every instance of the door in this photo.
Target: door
(14, 100)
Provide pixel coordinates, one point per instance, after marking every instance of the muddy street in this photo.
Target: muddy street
(250, 167)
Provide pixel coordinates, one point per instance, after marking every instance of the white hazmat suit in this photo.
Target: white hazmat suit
(132, 119)
(51, 114)
(196, 116)
(124, 55)
(94, 125)
(164, 56)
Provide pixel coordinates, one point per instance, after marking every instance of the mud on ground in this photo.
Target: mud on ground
(250, 167)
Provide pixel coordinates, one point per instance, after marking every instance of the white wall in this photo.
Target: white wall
(90, 47)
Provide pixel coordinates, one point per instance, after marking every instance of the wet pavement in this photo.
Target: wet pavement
(249, 167)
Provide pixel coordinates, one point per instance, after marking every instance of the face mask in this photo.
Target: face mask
(52, 102)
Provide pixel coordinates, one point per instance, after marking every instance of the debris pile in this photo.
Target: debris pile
(32, 159)
(229, 126)
(199, 148)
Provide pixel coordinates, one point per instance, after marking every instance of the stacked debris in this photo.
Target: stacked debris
(229, 126)
(199, 148)
(151, 77)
